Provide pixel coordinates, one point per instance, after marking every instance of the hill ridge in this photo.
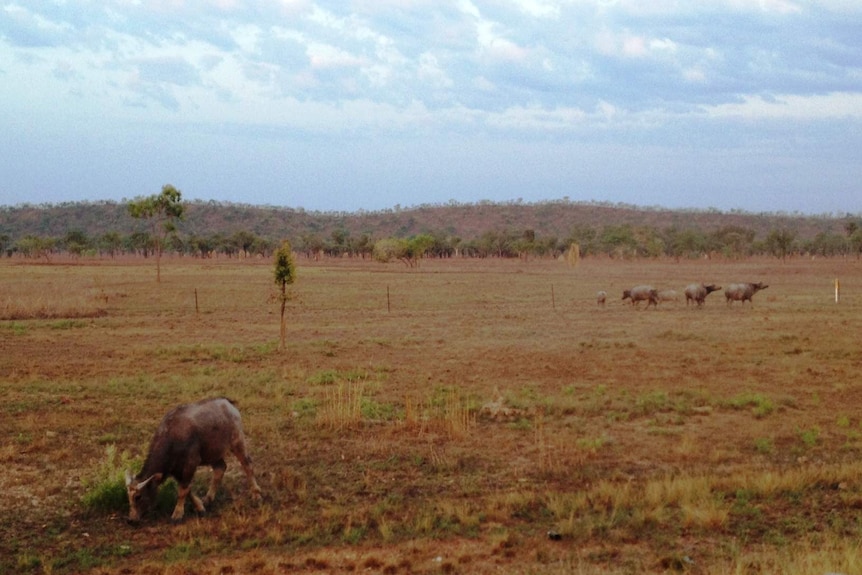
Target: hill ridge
(553, 218)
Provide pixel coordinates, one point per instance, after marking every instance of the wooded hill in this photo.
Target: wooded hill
(554, 224)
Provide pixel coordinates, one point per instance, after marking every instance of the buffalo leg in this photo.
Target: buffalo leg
(218, 472)
(184, 491)
(180, 508)
(245, 460)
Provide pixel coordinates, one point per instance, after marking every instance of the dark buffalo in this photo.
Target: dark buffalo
(642, 293)
(742, 292)
(189, 436)
(697, 293)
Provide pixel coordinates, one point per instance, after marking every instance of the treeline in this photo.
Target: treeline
(112, 244)
(623, 241)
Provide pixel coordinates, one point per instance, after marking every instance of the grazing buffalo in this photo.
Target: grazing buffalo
(742, 292)
(642, 293)
(697, 293)
(189, 436)
(668, 295)
(601, 297)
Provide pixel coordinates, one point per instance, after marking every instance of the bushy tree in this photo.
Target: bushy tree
(734, 241)
(780, 242)
(387, 250)
(827, 244)
(409, 250)
(856, 242)
(162, 211)
(417, 246)
(76, 242)
(110, 243)
(36, 246)
(619, 241)
(684, 243)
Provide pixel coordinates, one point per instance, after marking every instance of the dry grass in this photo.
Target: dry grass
(37, 292)
(341, 408)
(449, 434)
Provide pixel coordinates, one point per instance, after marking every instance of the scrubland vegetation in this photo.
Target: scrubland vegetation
(505, 230)
(459, 417)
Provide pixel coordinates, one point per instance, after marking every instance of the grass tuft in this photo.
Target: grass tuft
(341, 407)
(105, 490)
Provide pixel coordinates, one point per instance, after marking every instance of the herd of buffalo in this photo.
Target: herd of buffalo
(203, 433)
(694, 293)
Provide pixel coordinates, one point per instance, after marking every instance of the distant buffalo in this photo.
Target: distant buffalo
(642, 293)
(742, 292)
(668, 295)
(697, 293)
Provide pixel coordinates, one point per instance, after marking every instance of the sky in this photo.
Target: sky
(351, 105)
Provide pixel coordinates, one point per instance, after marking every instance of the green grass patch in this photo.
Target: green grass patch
(759, 404)
(67, 324)
(15, 327)
(809, 437)
(764, 445)
(105, 489)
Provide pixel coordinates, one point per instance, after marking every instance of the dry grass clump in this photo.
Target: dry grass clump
(39, 294)
(341, 407)
(444, 412)
(56, 305)
(804, 557)
(457, 418)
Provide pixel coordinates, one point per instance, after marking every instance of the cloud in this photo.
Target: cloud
(539, 8)
(171, 70)
(25, 28)
(833, 106)
(431, 72)
(774, 6)
(694, 73)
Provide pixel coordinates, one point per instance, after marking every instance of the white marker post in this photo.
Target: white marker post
(837, 290)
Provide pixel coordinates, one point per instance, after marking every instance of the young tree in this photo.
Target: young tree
(162, 210)
(285, 274)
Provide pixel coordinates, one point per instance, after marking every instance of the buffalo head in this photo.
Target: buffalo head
(141, 494)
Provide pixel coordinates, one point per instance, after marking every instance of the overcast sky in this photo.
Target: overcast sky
(345, 105)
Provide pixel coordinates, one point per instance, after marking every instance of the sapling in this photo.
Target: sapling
(285, 274)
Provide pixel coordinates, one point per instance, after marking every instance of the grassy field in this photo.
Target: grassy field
(439, 420)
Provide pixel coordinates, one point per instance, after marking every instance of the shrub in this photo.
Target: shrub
(105, 490)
